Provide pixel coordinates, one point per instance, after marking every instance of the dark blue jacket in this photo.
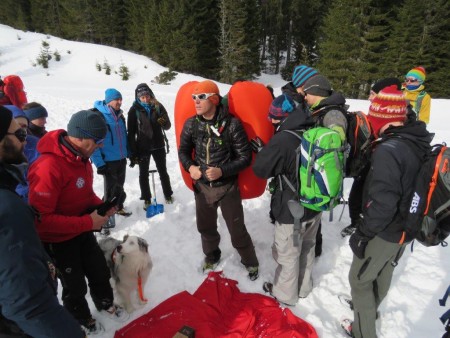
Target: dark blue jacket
(28, 291)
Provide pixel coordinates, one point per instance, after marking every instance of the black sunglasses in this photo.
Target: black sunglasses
(20, 133)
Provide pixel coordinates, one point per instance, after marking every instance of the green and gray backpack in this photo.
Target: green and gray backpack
(320, 163)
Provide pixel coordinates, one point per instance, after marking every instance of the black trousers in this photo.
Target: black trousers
(75, 260)
(114, 177)
(228, 197)
(159, 156)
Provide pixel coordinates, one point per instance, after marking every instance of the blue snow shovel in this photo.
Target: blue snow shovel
(154, 208)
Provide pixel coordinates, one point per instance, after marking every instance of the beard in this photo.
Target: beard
(12, 154)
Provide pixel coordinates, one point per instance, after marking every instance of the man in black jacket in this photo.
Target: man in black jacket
(27, 276)
(222, 150)
(380, 240)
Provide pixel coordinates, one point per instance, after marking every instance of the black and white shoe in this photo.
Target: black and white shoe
(123, 212)
(253, 272)
(346, 325)
(92, 327)
(348, 230)
(346, 300)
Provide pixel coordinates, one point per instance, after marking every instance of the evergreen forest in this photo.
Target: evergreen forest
(352, 42)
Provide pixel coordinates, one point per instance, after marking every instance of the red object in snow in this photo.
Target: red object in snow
(219, 309)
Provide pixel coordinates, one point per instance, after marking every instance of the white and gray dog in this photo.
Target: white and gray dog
(130, 265)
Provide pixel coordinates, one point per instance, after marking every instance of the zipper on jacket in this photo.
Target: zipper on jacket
(208, 143)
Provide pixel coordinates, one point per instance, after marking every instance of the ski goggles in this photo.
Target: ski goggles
(202, 96)
(20, 133)
(143, 91)
(96, 139)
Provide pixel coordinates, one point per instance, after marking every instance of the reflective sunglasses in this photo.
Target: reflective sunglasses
(202, 96)
(20, 133)
(96, 139)
(411, 79)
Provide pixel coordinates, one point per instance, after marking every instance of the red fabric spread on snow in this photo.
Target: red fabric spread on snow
(219, 309)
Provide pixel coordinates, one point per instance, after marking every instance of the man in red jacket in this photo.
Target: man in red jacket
(61, 191)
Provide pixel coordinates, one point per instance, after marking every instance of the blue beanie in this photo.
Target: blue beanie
(301, 74)
(112, 94)
(281, 107)
(17, 112)
(36, 112)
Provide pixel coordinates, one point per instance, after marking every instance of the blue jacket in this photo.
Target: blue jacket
(115, 146)
(31, 154)
(28, 290)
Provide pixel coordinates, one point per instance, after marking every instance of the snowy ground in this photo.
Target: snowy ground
(411, 308)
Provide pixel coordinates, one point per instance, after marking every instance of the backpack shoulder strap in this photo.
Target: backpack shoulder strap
(297, 160)
(419, 102)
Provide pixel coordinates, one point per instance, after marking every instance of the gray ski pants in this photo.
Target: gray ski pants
(293, 273)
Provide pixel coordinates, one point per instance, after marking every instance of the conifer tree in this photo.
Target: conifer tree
(340, 46)
(421, 37)
(239, 47)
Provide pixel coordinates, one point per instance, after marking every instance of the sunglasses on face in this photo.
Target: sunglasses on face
(411, 80)
(20, 133)
(202, 96)
(96, 139)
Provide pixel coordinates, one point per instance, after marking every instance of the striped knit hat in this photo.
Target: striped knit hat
(301, 74)
(417, 73)
(388, 106)
(281, 107)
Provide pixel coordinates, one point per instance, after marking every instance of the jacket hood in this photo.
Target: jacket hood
(290, 90)
(140, 86)
(52, 143)
(295, 121)
(416, 132)
(335, 99)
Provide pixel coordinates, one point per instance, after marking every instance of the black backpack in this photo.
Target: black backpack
(358, 139)
(428, 219)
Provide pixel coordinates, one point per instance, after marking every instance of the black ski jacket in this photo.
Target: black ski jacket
(145, 134)
(231, 151)
(278, 158)
(395, 162)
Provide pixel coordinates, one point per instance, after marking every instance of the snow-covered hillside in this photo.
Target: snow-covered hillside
(411, 309)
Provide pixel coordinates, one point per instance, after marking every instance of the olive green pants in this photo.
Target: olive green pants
(370, 279)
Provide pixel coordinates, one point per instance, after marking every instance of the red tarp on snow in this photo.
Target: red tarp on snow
(219, 309)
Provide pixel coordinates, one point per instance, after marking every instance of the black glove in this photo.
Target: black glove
(103, 170)
(162, 121)
(358, 242)
(257, 144)
(133, 161)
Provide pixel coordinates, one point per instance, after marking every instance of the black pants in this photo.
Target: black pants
(228, 197)
(159, 156)
(356, 194)
(114, 177)
(75, 260)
